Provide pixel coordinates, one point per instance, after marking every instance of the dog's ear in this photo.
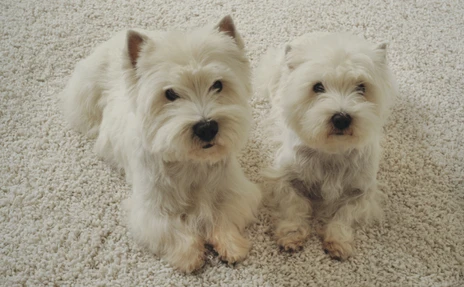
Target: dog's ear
(227, 26)
(291, 64)
(381, 49)
(135, 41)
(288, 49)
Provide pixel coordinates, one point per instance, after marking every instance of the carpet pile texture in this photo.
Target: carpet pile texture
(61, 221)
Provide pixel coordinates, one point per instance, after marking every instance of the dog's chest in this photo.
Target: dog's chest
(326, 177)
(194, 177)
(194, 185)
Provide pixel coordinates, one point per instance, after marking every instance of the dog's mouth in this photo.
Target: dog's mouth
(337, 132)
(207, 146)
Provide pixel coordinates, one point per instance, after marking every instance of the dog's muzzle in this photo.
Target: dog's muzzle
(341, 121)
(206, 131)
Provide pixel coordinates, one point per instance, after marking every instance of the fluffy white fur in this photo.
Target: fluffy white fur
(186, 192)
(318, 168)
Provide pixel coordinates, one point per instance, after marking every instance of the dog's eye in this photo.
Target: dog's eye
(171, 95)
(361, 88)
(318, 88)
(217, 86)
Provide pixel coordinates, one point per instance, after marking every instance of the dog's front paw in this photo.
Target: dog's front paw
(189, 265)
(291, 239)
(189, 261)
(338, 250)
(232, 248)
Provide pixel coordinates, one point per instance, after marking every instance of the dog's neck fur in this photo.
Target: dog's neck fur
(181, 183)
(330, 177)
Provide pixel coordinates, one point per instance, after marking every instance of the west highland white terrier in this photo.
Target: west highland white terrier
(172, 109)
(330, 95)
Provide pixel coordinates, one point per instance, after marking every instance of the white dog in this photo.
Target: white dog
(171, 109)
(330, 97)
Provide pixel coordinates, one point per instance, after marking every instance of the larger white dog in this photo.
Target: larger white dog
(330, 97)
(171, 109)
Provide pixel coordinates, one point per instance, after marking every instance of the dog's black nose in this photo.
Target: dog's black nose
(206, 130)
(341, 121)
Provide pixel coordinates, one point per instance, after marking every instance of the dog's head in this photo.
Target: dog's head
(192, 91)
(338, 91)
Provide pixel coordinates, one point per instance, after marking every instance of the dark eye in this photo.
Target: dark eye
(318, 88)
(217, 86)
(361, 88)
(171, 95)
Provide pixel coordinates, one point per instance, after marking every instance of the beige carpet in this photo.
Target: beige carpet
(60, 214)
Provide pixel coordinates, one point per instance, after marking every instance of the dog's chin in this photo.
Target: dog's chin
(340, 134)
(208, 152)
(336, 141)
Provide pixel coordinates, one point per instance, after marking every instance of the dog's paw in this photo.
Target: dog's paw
(189, 265)
(189, 261)
(338, 250)
(232, 249)
(291, 241)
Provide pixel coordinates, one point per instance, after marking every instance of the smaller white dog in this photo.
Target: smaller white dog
(172, 110)
(330, 97)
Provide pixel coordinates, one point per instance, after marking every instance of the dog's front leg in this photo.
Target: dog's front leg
(238, 208)
(229, 242)
(339, 233)
(183, 249)
(291, 212)
(168, 236)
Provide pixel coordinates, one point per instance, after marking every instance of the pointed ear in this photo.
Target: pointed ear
(135, 41)
(227, 26)
(381, 49)
(290, 64)
(288, 48)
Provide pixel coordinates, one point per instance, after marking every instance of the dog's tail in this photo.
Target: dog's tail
(82, 97)
(268, 73)
(266, 82)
